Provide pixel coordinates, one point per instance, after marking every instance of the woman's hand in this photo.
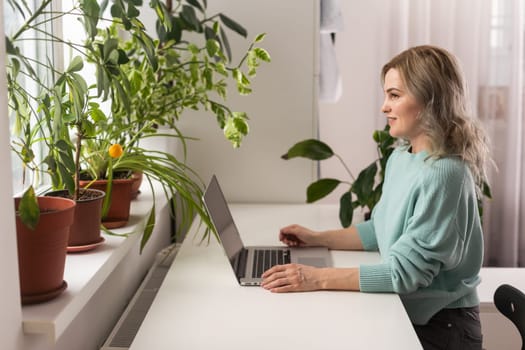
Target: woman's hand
(303, 278)
(291, 278)
(298, 236)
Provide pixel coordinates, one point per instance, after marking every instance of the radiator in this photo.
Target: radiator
(129, 323)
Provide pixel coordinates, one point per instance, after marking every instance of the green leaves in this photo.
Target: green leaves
(190, 18)
(148, 230)
(75, 65)
(365, 181)
(485, 190)
(312, 149)
(65, 163)
(164, 22)
(226, 44)
(320, 189)
(254, 57)
(261, 54)
(26, 154)
(365, 190)
(9, 47)
(243, 83)
(28, 209)
(91, 10)
(236, 27)
(346, 209)
(128, 15)
(236, 128)
(213, 47)
(196, 4)
(149, 48)
(260, 37)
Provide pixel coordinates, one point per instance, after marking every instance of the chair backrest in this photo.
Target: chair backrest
(510, 301)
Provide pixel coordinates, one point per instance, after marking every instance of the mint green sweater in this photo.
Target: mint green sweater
(427, 229)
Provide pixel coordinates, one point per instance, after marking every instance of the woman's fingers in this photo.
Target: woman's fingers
(287, 278)
(292, 235)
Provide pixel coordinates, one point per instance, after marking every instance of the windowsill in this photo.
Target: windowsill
(86, 272)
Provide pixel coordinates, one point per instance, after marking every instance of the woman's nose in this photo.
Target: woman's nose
(385, 108)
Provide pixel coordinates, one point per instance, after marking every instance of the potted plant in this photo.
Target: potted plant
(70, 109)
(178, 73)
(42, 223)
(152, 81)
(42, 247)
(60, 95)
(365, 189)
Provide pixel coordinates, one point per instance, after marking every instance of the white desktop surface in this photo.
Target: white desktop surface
(201, 306)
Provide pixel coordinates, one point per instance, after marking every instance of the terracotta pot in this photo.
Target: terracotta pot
(137, 176)
(118, 213)
(85, 230)
(42, 252)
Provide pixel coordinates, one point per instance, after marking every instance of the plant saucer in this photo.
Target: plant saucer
(38, 298)
(111, 224)
(85, 248)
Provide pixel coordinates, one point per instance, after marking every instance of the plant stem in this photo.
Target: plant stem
(77, 163)
(241, 62)
(35, 14)
(345, 166)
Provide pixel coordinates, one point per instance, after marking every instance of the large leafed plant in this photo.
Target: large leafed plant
(364, 191)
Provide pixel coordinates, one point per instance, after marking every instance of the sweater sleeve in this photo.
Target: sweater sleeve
(433, 239)
(367, 235)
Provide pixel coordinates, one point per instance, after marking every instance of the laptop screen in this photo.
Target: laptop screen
(222, 219)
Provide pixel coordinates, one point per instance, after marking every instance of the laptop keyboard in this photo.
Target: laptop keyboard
(266, 258)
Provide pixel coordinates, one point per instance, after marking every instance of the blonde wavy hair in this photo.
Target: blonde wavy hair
(433, 76)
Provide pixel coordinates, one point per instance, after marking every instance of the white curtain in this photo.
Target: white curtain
(487, 37)
(503, 114)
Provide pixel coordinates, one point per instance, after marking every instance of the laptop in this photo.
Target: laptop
(248, 263)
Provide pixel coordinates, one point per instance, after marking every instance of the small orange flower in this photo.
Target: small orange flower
(115, 150)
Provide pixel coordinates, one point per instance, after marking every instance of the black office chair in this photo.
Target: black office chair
(511, 303)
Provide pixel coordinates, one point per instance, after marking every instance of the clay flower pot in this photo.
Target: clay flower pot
(84, 234)
(137, 176)
(42, 252)
(118, 213)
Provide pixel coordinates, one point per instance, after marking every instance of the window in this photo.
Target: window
(501, 42)
(501, 22)
(43, 52)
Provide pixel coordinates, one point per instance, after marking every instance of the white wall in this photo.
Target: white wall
(10, 317)
(366, 43)
(282, 107)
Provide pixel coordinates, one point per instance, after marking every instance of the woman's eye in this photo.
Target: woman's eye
(394, 96)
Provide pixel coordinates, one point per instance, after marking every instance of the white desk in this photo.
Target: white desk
(201, 306)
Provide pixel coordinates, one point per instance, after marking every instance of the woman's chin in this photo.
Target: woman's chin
(393, 132)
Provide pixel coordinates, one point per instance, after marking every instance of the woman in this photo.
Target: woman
(426, 225)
